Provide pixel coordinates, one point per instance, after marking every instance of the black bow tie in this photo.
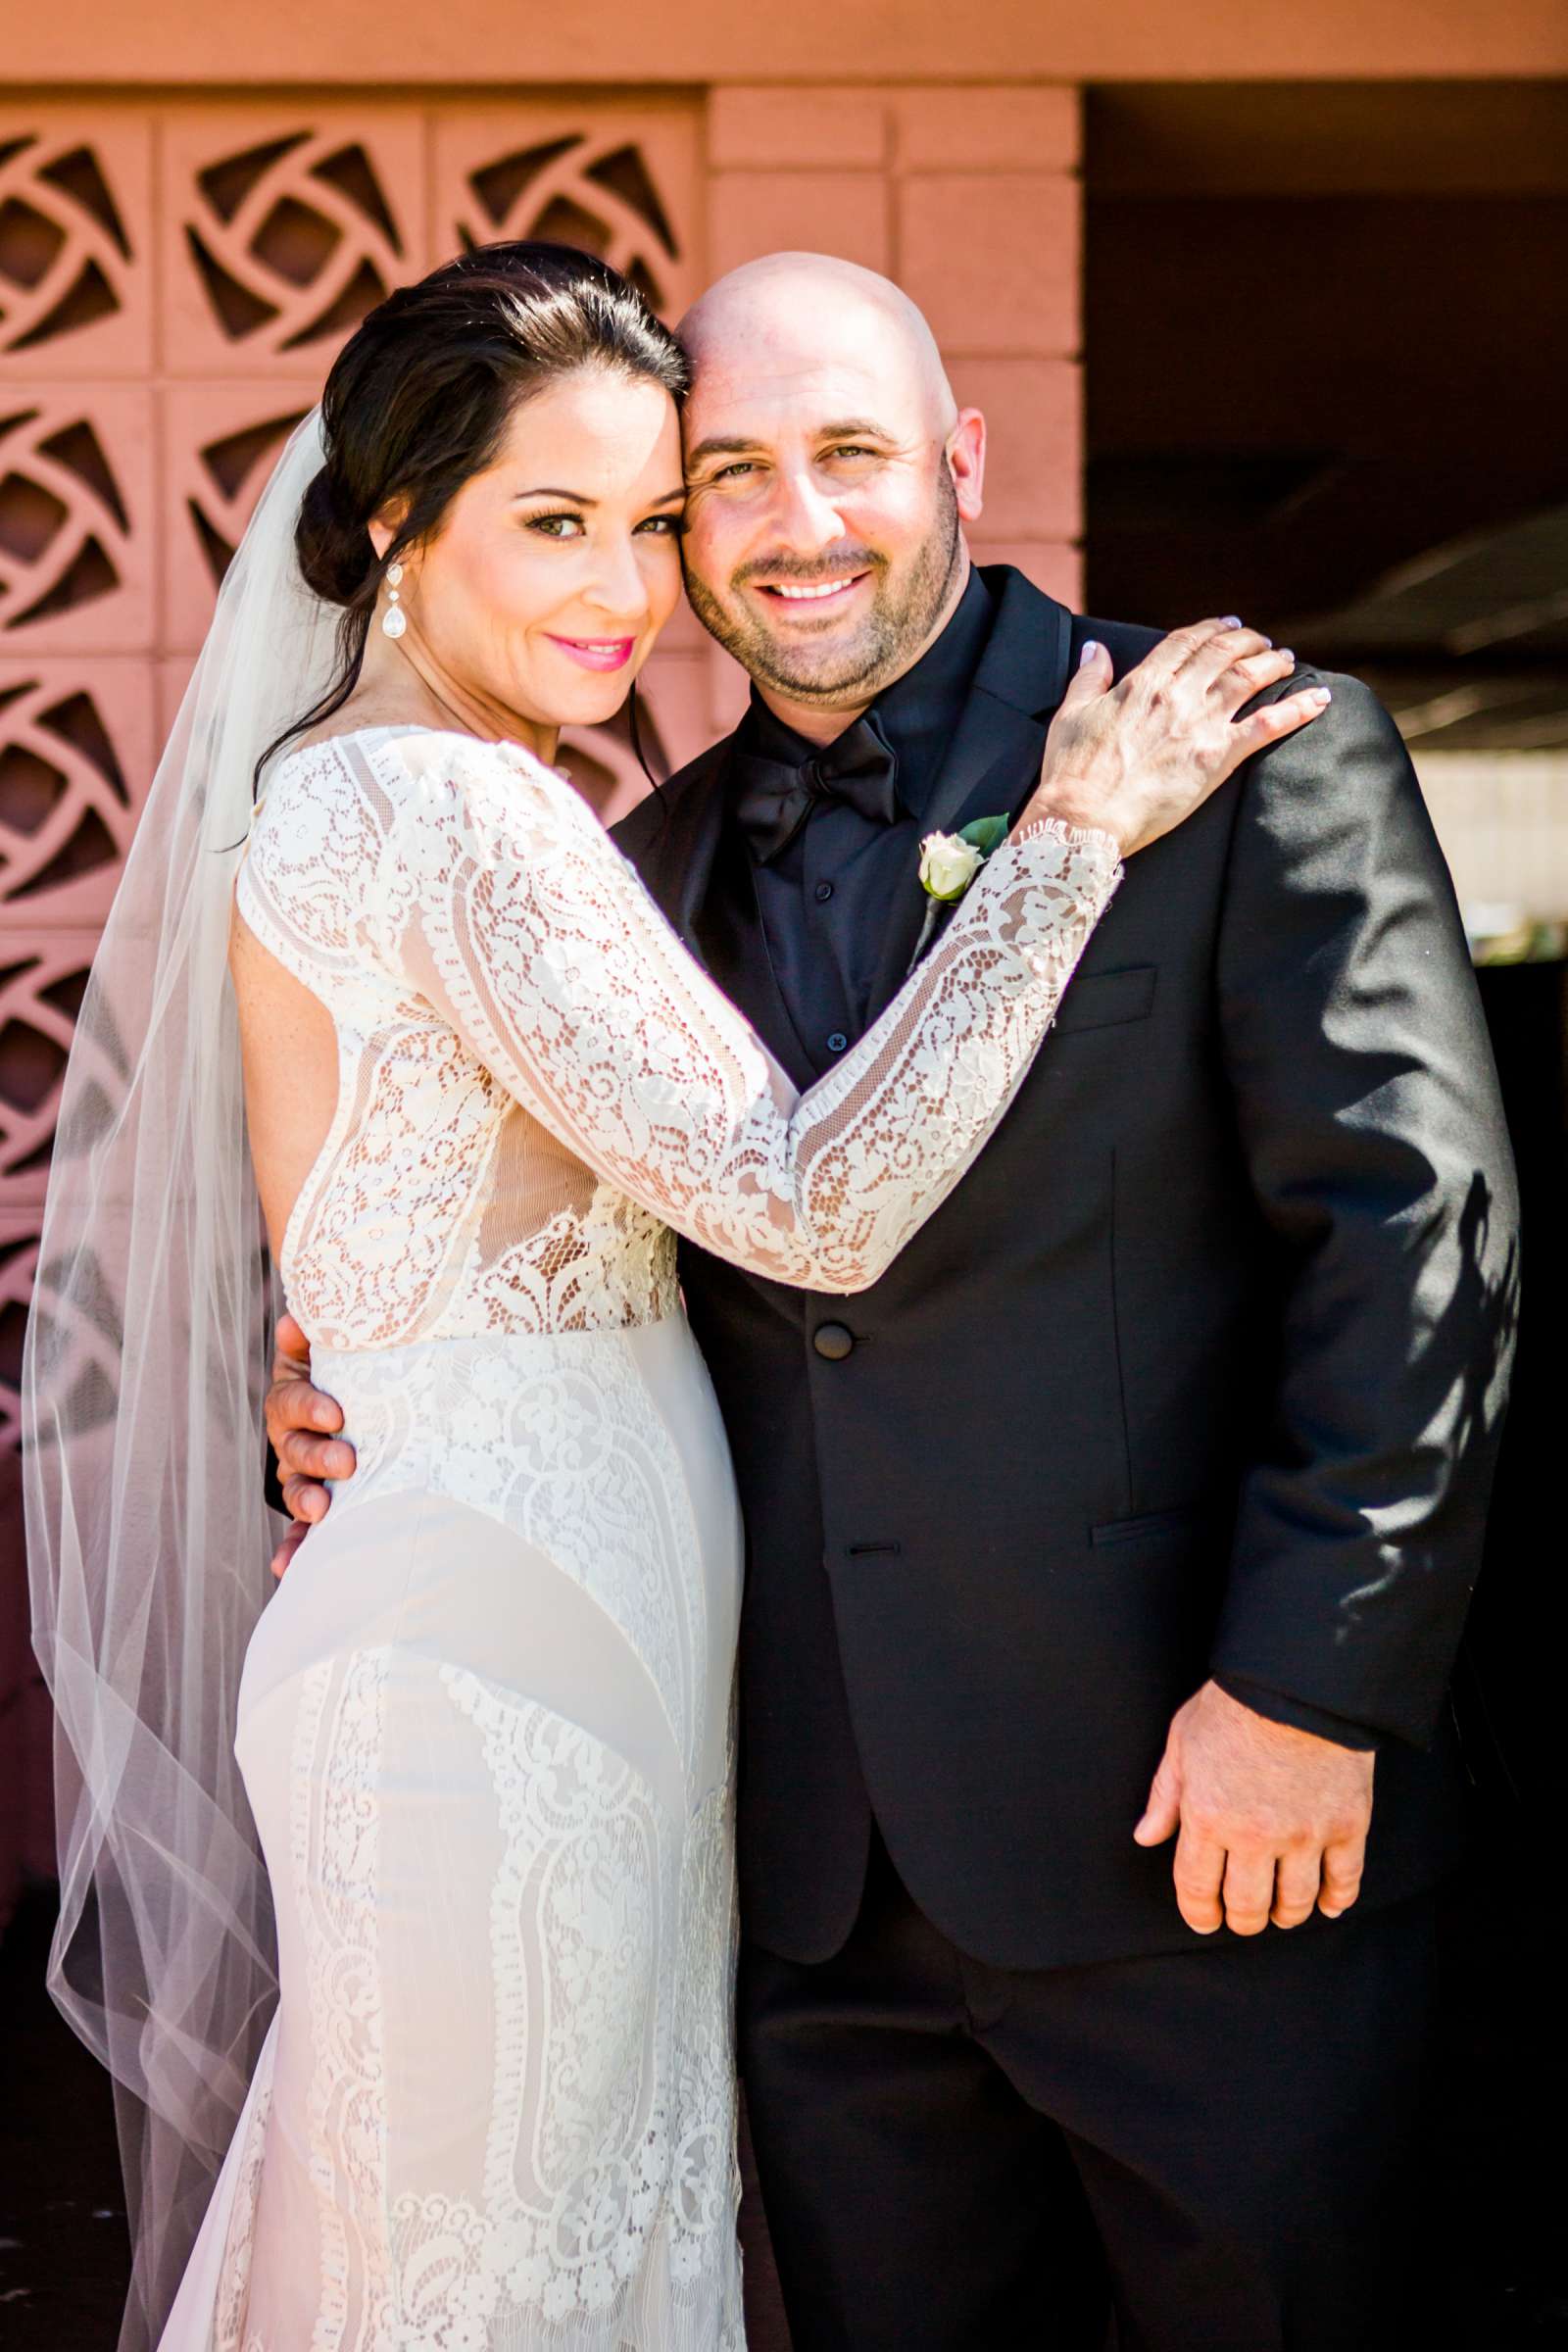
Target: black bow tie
(773, 798)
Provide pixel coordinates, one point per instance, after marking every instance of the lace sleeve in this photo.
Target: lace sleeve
(503, 901)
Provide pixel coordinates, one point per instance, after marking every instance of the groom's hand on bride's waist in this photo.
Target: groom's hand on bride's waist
(1270, 1821)
(300, 1423)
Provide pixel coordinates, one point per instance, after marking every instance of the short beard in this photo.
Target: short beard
(889, 640)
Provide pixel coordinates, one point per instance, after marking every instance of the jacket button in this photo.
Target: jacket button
(835, 1341)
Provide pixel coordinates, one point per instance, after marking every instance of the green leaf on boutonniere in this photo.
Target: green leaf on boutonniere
(985, 833)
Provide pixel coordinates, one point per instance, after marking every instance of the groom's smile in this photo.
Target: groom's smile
(828, 474)
(813, 603)
(818, 596)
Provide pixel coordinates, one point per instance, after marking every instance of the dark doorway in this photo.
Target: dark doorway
(1326, 333)
(1326, 329)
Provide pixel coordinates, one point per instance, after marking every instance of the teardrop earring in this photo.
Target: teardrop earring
(394, 620)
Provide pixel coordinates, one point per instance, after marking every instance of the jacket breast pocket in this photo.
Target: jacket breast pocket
(1105, 1000)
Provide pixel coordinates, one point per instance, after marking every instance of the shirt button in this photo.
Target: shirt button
(835, 1341)
(837, 1042)
(824, 890)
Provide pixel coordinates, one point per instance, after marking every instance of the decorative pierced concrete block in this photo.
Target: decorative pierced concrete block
(75, 520)
(621, 180)
(75, 240)
(281, 226)
(76, 756)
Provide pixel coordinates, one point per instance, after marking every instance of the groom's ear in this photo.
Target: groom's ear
(966, 463)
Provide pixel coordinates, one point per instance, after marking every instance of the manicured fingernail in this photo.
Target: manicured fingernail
(1319, 695)
(1231, 620)
(1285, 654)
(1088, 653)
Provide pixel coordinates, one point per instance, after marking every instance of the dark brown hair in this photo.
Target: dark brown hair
(420, 398)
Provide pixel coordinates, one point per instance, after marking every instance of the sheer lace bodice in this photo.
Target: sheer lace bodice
(537, 1082)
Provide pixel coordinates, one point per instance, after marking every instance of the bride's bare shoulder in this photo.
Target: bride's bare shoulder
(369, 712)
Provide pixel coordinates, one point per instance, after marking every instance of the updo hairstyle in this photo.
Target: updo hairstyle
(419, 399)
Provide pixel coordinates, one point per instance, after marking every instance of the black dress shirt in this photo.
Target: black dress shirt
(824, 901)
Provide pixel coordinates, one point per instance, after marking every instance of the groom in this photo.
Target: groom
(1140, 1501)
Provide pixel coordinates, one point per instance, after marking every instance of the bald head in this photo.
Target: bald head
(830, 473)
(793, 312)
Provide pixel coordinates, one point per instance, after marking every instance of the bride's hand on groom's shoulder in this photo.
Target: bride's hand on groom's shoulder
(1270, 1822)
(1134, 758)
(300, 1423)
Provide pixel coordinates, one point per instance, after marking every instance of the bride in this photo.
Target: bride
(461, 1087)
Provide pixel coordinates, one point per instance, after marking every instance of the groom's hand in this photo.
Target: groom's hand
(1272, 1821)
(300, 1421)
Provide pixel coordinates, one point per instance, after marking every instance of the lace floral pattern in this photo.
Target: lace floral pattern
(705, 2182)
(608, 2158)
(524, 1042)
(559, 1444)
(574, 2184)
(504, 2101)
(338, 1745)
(229, 2322)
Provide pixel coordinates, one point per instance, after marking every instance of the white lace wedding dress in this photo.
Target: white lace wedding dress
(485, 1720)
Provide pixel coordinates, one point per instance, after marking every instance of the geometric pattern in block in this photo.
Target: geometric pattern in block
(44, 977)
(208, 298)
(74, 552)
(220, 443)
(18, 1260)
(282, 228)
(75, 227)
(76, 756)
(618, 181)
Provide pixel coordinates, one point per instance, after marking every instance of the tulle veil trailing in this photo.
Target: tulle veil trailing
(147, 1534)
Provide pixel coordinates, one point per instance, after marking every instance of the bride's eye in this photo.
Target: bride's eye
(663, 526)
(571, 525)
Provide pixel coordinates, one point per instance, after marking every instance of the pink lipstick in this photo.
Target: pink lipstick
(597, 652)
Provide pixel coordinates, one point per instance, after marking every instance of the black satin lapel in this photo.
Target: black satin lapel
(992, 766)
(1027, 653)
(993, 763)
(675, 850)
(987, 745)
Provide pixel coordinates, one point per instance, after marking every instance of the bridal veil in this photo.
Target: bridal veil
(148, 1537)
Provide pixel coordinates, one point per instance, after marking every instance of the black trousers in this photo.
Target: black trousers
(1216, 2145)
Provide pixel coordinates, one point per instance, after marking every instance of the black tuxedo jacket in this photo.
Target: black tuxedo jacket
(1200, 1368)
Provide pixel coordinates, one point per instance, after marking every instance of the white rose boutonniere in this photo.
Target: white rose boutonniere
(948, 863)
